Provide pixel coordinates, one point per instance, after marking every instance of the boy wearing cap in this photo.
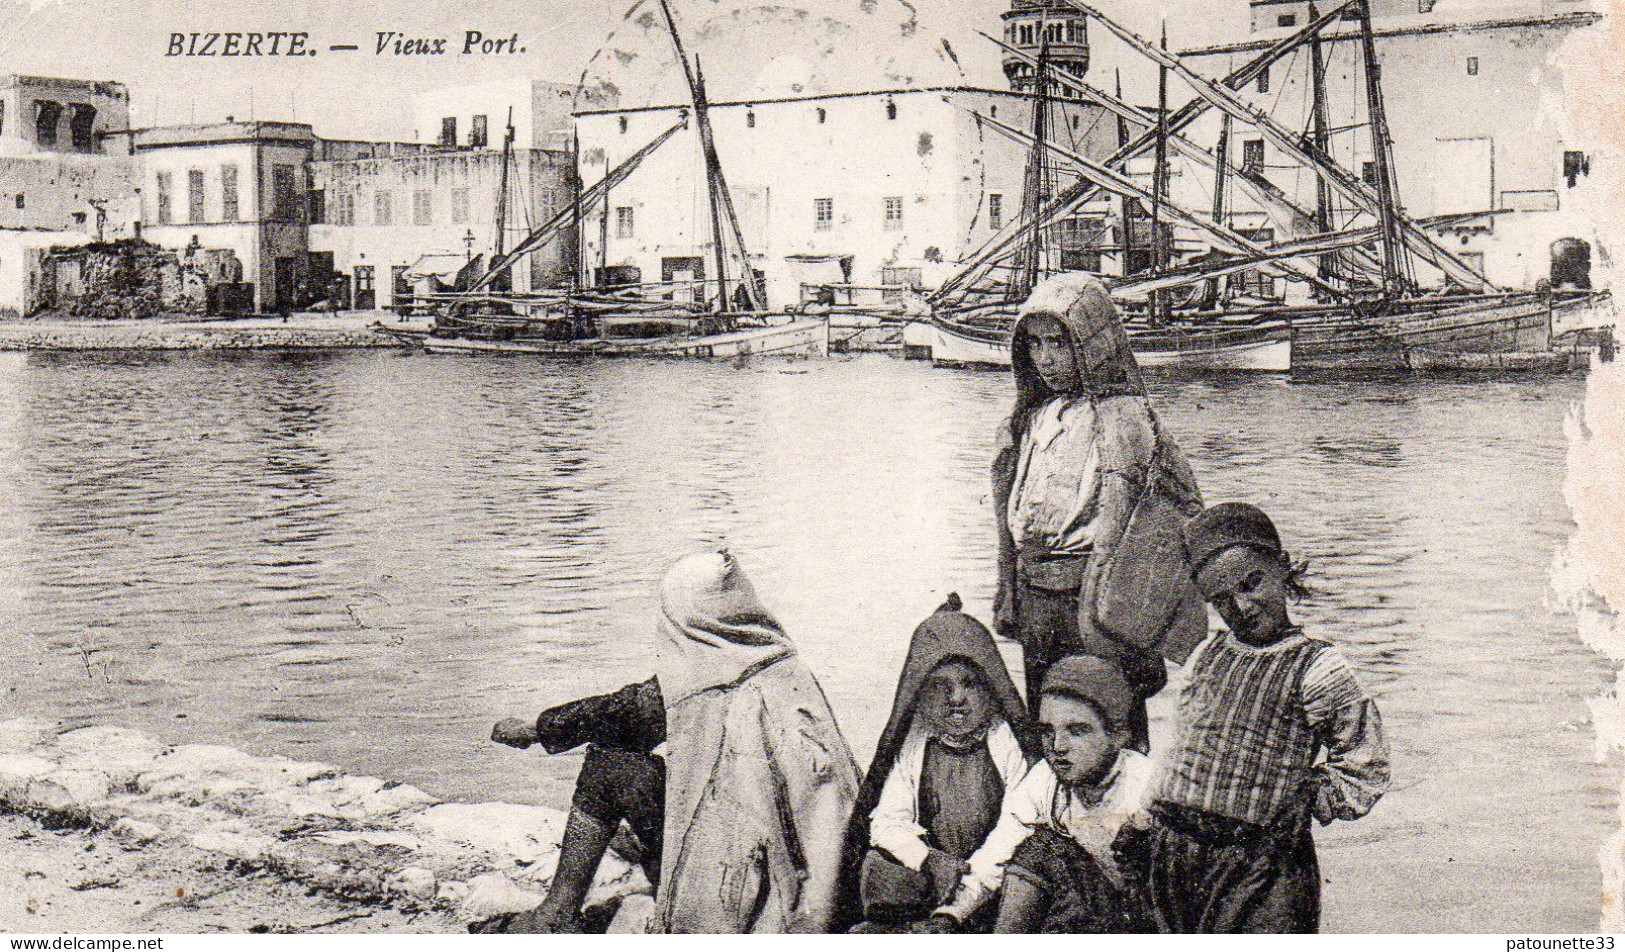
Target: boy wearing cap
(1228, 845)
(1053, 847)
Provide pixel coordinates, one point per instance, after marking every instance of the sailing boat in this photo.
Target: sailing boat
(1374, 316)
(650, 319)
(979, 336)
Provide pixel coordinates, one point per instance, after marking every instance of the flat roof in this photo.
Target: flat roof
(774, 100)
(1577, 19)
(220, 133)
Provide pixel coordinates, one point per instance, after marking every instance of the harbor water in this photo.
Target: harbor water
(367, 558)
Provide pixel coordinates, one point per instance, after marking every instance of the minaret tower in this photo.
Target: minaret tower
(1031, 25)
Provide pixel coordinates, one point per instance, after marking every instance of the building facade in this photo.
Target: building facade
(381, 217)
(879, 188)
(1474, 129)
(43, 114)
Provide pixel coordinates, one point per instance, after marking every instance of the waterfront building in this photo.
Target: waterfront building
(1036, 25)
(891, 187)
(1475, 112)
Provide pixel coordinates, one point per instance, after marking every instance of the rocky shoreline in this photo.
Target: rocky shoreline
(218, 812)
(298, 332)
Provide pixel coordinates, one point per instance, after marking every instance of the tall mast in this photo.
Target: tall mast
(1033, 197)
(502, 201)
(603, 234)
(576, 262)
(1323, 144)
(721, 200)
(1221, 168)
(1393, 278)
(1159, 187)
(1125, 204)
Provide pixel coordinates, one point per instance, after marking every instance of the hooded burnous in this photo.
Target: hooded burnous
(947, 635)
(1111, 540)
(760, 783)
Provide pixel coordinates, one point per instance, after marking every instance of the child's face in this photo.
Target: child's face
(1050, 347)
(1248, 589)
(1079, 746)
(955, 701)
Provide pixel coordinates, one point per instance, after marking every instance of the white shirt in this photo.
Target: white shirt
(1056, 494)
(1033, 802)
(894, 826)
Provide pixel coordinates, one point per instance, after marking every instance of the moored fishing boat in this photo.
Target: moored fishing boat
(793, 337)
(1263, 346)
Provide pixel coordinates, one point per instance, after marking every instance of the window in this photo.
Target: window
(82, 127)
(448, 131)
(228, 193)
(624, 125)
(459, 206)
(46, 116)
(1252, 155)
(363, 278)
(1472, 66)
(822, 114)
(903, 277)
(750, 119)
(894, 214)
(891, 111)
(1053, 32)
(422, 207)
(22, 200)
(478, 135)
(383, 207)
(1264, 80)
(316, 207)
(624, 222)
(823, 214)
(995, 211)
(164, 214)
(194, 196)
(1368, 173)
(1575, 166)
(344, 214)
(1287, 19)
(284, 193)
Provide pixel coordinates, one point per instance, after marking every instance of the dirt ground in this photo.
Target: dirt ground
(77, 881)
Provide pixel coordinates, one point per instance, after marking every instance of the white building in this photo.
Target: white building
(475, 116)
(892, 187)
(1474, 110)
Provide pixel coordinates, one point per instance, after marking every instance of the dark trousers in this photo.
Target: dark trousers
(1049, 631)
(616, 785)
(1204, 873)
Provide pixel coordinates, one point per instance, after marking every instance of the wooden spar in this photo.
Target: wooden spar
(1159, 190)
(1345, 184)
(570, 215)
(1323, 142)
(603, 232)
(1125, 204)
(500, 245)
(1032, 192)
(1256, 186)
(1221, 156)
(1388, 212)
(576, 263)
(1110, 180)
(721, 199)
(1080, 193)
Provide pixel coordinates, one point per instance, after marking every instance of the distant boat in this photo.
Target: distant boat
(800, 337)
(1259, 346)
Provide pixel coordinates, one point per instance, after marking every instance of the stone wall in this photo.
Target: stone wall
(128, 279)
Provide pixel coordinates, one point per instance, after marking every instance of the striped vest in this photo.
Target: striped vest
(1246, 744)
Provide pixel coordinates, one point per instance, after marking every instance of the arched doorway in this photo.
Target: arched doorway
(1571, 265)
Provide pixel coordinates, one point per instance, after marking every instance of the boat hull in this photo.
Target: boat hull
(1264, 349)
(1513, 332)
(805, 337)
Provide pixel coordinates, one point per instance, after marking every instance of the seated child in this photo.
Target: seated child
(1054, 847)
(958, 738)
(1228, 848)
(621, 779)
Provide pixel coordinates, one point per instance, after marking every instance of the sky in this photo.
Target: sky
(750, 49)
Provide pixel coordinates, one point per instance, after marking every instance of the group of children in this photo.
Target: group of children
(981, 810)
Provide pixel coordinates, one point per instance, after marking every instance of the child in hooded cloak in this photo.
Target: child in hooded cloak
(958, 738)
(1054, 848)
(1089, 492)
(759, 781)
(1228, 847)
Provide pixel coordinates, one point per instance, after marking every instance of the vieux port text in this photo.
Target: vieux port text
(386, 43)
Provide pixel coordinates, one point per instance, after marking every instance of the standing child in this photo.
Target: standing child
(1228, 848)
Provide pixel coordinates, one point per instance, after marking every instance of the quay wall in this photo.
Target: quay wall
(362, 838)
(189, 335)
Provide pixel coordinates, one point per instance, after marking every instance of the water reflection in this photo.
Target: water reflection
(367, 558)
